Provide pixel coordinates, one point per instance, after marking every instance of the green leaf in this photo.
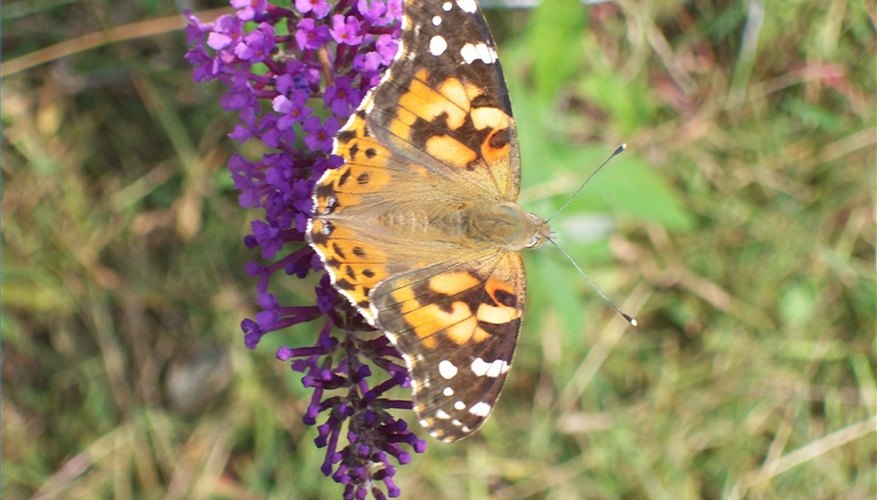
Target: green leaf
(812, 115)
(552, 40)
(628, 185)
(550, 280)
(630, 105)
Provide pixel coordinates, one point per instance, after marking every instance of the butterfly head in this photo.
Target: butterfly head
(540, 231)
(508, 226)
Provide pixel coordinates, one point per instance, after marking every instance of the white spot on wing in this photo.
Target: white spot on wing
(469, 53)
(436, 20)
(448, 392)
(467, 5)
(447, 369)
(459, 405)
(480, 409)
(456, 422)
(479, 367)
(442, 414)
(399, 51)
(484, 52)
(446, 6)
(495, 369)
(437, 45)
(481, 51)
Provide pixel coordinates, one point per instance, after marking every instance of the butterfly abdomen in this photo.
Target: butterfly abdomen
(502, 225)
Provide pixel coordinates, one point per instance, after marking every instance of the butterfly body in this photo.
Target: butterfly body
(461, 225)
(420, 227)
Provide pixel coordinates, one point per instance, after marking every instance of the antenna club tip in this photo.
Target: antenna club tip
(623, 146)
(619, 149)
(630, 319)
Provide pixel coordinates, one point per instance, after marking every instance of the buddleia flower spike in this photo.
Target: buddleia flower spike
(292, 76)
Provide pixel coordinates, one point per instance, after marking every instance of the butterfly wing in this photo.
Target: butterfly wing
(347, 230)
(436, 131)
(457, 327)
(444, 103)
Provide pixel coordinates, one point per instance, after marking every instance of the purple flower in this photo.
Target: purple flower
(226, 31)
(240, 95)
(311, 35)
(249, 9)
(346, 30)
(297, 76)
(273, 82)
(292, 110)
(318, 7)
(341, 96)
(373, 10)
(246, 180)
(268, 237)
(319, 137)
(257, 45)
(394, 9)
(380, 12)
(387, 47)
(367, 63)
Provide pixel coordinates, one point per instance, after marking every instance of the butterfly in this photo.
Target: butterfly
(420, 229)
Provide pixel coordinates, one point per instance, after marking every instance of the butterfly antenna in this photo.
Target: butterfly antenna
(618, 151)
(630, 319)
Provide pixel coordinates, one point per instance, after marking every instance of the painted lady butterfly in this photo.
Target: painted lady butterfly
(420, 228)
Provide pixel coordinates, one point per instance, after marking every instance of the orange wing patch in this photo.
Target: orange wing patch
(450, 151)
(452, 306)
(354, 265)
(456, 329)
(364, 169)
(428, 104)
(471, 129)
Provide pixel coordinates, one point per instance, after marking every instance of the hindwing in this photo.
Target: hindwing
(457, 327)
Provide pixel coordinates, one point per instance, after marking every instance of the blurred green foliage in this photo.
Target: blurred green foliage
(738, 228)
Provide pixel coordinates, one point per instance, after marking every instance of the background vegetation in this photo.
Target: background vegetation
(739, 229)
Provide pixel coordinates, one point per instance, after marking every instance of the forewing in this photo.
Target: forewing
(351, 203)
(456, 327)
(444, 103)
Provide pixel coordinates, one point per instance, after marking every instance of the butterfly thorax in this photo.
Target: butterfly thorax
(485, 224)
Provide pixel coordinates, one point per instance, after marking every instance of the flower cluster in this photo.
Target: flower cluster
(293, 76)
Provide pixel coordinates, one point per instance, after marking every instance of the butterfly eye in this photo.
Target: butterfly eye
(537, 241)
(541, 231)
